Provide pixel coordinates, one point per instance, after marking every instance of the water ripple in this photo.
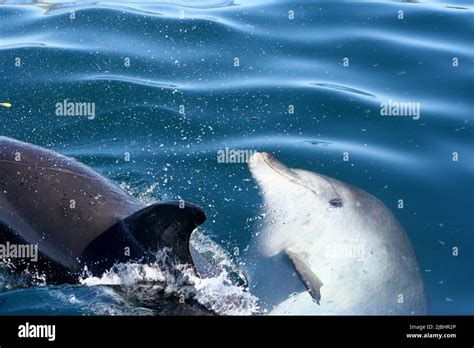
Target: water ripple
(132, 80)
(342, 88)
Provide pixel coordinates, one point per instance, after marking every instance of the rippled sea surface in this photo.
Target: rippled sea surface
(175, 83)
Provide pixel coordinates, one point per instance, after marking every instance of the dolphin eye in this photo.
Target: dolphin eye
(336, 202)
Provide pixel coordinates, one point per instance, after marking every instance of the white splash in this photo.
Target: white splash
(126, 274)
(217, 294)
(222, 297)
(147, 194)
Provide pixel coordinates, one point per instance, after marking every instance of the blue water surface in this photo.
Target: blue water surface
(174, 83)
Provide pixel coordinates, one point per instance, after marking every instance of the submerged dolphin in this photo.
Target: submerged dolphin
(78, 218)
(330, 248)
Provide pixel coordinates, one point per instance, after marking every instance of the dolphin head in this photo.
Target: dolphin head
(268, 172)
(298, 198)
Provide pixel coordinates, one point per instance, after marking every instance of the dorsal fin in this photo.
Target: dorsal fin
(166, 224)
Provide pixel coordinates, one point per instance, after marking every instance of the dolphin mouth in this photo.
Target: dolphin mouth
(260, 161)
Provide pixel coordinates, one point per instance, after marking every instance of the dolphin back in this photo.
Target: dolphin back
(77, 217)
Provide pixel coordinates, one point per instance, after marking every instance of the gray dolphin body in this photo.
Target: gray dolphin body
(78, 218)
(328, 248)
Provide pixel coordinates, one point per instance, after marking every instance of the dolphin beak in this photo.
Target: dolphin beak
(265, 165)
(257, 158)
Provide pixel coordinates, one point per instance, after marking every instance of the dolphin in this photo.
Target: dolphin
(328, 248)
(78, 219)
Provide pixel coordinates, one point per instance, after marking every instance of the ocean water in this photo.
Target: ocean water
(173, 83)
